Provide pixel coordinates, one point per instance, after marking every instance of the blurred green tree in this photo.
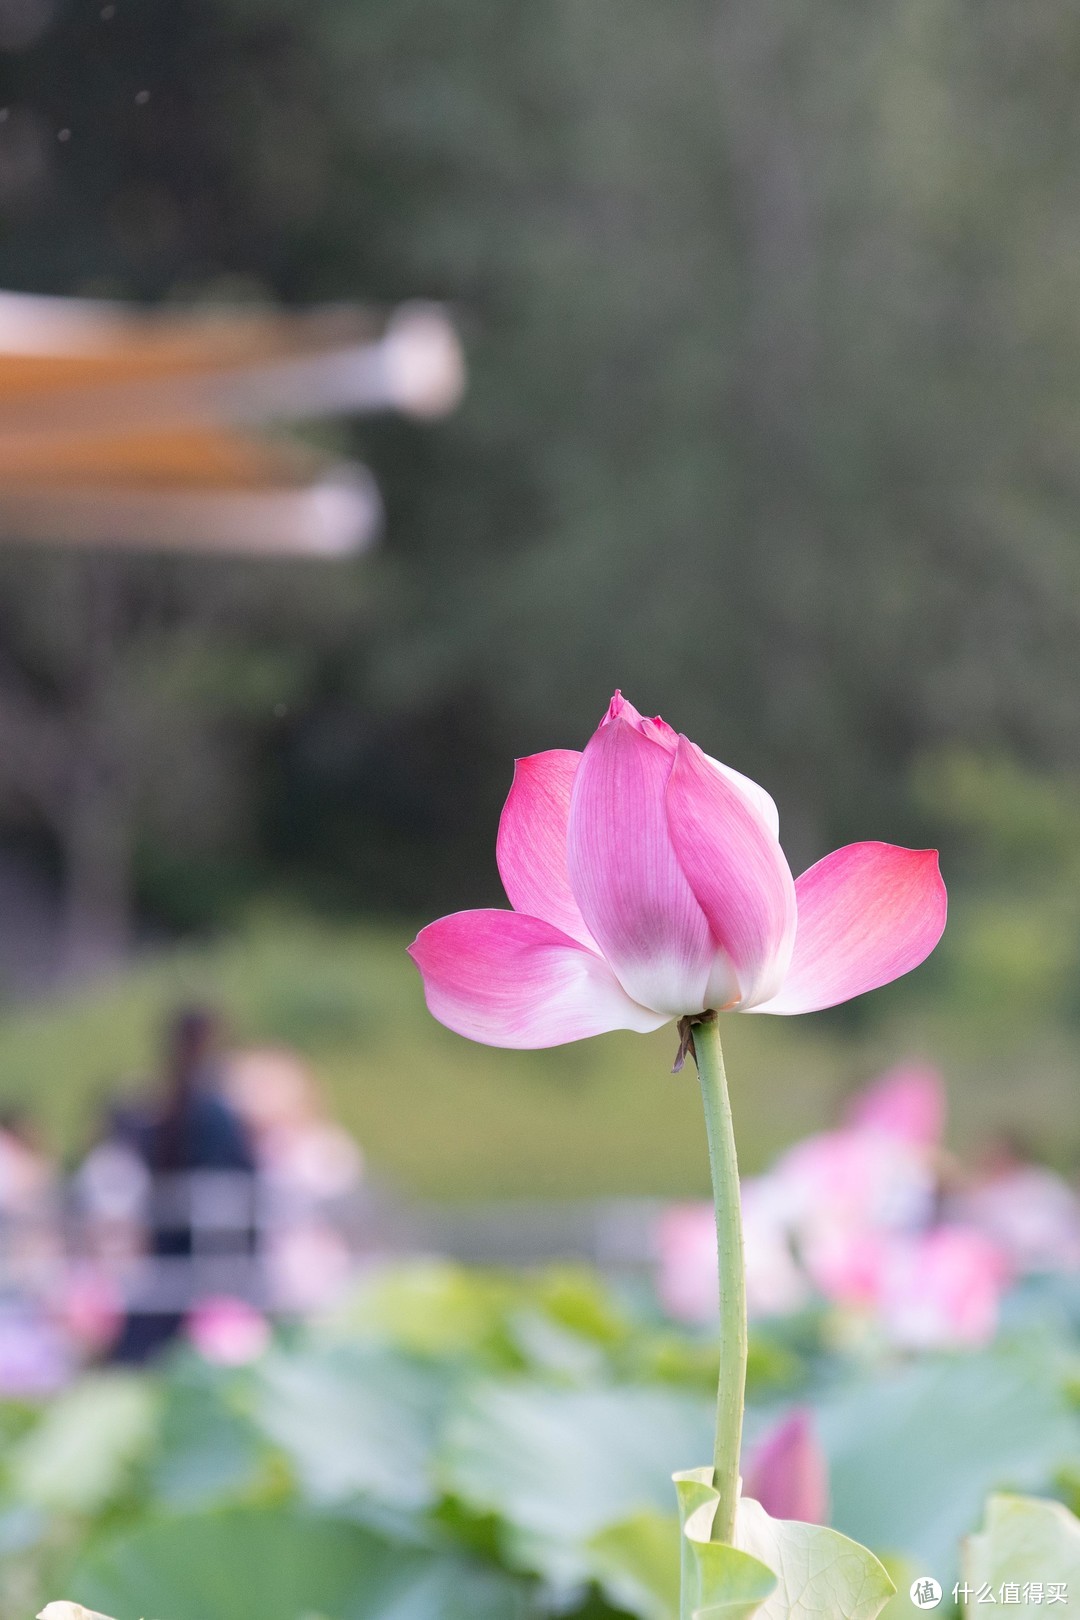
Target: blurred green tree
(772, 339)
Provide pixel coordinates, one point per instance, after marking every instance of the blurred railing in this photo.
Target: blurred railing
(162, 1243)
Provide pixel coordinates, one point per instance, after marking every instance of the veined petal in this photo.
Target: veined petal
(509, 980)
(762, 802)
(867, 914)
(736, 868)
(531, 848)
(626, 879)
(656, 729)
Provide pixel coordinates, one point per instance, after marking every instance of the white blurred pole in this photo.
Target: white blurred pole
(78, 378)
(339, 513)
(416, 368)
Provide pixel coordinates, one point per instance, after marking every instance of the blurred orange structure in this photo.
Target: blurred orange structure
(126, 428)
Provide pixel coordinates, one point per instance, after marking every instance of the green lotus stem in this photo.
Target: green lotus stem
(731, 1394)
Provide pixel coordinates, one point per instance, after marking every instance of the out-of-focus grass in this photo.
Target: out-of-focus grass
(444, 1117)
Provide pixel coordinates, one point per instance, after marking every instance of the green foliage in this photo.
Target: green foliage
(558, 1465)
(386, 1402)
(388, 1462)
(83, 1450)
(636, 1561)
(209, 1450)
(1017, 821)
(1024, 1540)
(773, 317)
(282, 1565)
(818, 1571)
(779, 1570)
(717, 1581)
(947, 1431)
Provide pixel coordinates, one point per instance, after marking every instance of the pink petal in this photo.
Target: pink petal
(531, 848)
(633, 895)
(787, 1471)
(762, 802)
(656, 730)
(509, 980)
(735, 868)
(867, 914)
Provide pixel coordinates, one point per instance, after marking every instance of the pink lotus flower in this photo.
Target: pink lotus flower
(787, 1471)
(648, 883)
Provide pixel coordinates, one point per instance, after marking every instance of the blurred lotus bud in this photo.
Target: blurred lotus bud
(907, 1102)
(787, 1471)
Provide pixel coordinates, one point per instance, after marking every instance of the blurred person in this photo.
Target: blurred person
(26, 1173)
(193, 1129)
(276, 1095)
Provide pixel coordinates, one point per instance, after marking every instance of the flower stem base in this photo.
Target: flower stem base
(704, 1043)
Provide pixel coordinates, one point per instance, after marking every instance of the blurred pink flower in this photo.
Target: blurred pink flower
(687, 1280)
(90, 1307)
(847, 1263)
(787, 1471)
(685, 1248)
(850, 1213)
(820, 1217)
(942, 1290)
(648, 883)
(775, 1282)
(856, 1179)
(907, 1103)
(227, 1330)
(1030, 1212)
